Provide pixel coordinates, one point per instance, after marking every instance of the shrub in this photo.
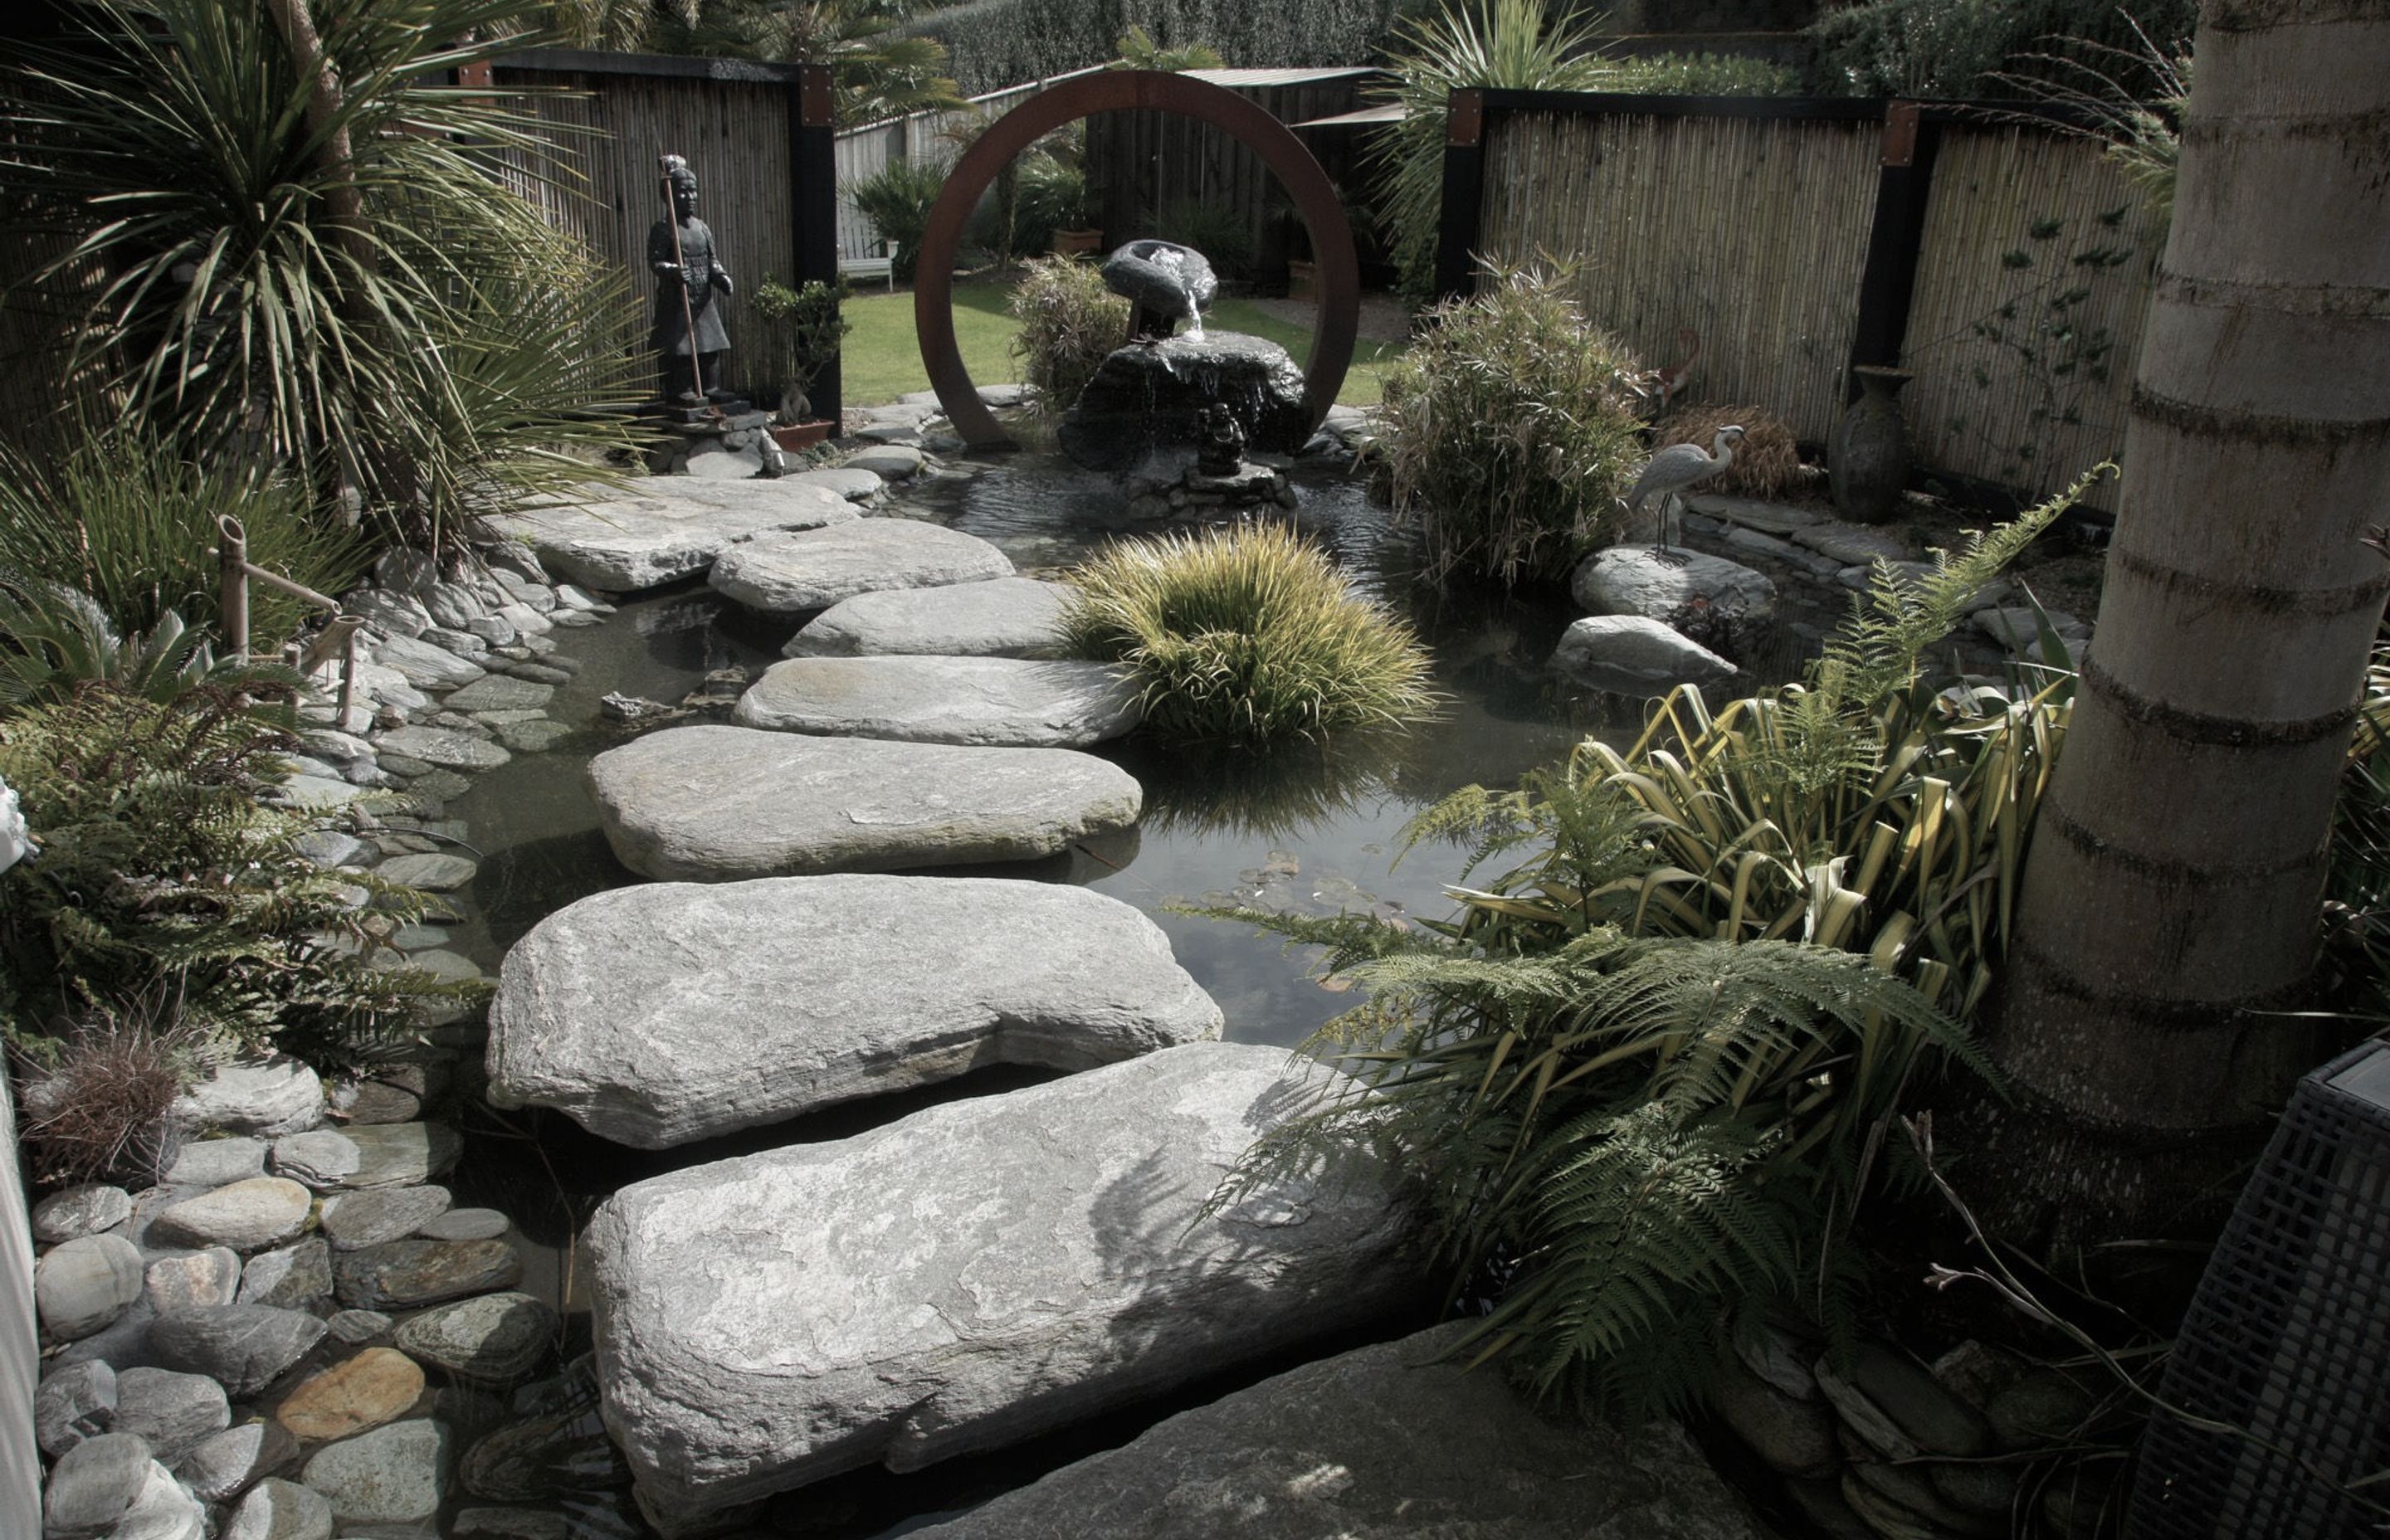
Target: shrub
(1765, 463)
(1704, 75)
(1507, 435)
(898, 199)
(1069, 324)
(1949, 48)
(1054, 196)
(805, 326)
(55, 639)
(1218, 231)
(1246, 634)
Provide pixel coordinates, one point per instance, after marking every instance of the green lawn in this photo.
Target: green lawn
(881, 359)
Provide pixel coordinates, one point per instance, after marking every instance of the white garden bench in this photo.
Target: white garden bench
(880, 266)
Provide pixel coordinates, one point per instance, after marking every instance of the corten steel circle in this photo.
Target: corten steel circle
(1334, 326)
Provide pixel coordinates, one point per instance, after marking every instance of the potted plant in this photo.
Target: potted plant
(802, 327)
(1054, 196)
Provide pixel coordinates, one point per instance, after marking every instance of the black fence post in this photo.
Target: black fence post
(1459, 216)
(813, 204)
(1903, 183)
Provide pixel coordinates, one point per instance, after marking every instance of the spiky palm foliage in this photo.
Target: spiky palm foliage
(1139, 51)
(55, 639)
(330, 278)
(876, 72)
(898, 199)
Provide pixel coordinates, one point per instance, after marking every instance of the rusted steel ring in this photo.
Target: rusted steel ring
(1334, 326)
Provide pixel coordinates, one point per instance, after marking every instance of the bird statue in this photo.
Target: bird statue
(1674, 378)
(1673, 470)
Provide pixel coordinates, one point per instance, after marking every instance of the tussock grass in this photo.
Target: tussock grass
(1069, 324)
(1246, 634)
(1765, 463)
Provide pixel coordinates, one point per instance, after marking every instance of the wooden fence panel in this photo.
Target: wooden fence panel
(1752, 232)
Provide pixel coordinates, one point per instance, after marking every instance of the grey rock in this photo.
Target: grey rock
(358, 1327)
(1381, 1444)
(276, 1509)
(498, 693)
(293, 1276)
(1001, 702)
(404, 570)
(81, 1285)
(1794, 1437)
(545, 673)
(665, 1012)
(436, 874)
(725, 464)
(971, 1275)
(398, 764)
(1631, 655)
(570, 597)
(124, 1343)
(493, 1340)
(1752, 512)
(401, 1274)
(377, 1155)
(268, 1097)
(1009, 617)
(172, 1411)
(2018, 629)
(509, 1523)
(792, 573)
(1636, 580)
(446, 747)
(78, 1211)
(560, 1448)
(396, 1093)
(162, 1510)
(354, 1220)
(92, 1486)
(439, 786)
(242, 1347)
(890, 462)
(1849, 543)
(712, 803)
(462, 643)
(385, 686)
(224, 1464)
(495, 630)
(534, 738)
(855, 486)
(245, 1216)
(451, 605)
(1781, 1359)
(425, 665)
(526, 620)
(393, 1475)
(667, 528)
(393, 614)
(326, 848)
(1758, 544)
(71, 1405)
(467, 1225)
(194, 1281)
(1145, 399)
(1915, 1402)
(315, 793)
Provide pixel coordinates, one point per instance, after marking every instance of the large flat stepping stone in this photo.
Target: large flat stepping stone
(664, 528)
(667, 1012)
(715, 803)
(793, 575)
(971, 1275)
(1016, 701)
(1008, 617)
(1383, 1442)
(1724, 596)
(1633, 655)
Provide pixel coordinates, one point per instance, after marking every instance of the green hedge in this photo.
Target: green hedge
(1955, 48)
(995, 44)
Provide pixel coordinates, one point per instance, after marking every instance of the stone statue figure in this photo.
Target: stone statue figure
(1220, 448)
(1164, 282)
(682, 255)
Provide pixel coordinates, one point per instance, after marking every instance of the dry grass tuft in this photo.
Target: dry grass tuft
(100, 1111)
(1765, 465)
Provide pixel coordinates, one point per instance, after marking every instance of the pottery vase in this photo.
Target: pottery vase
(1870, 460)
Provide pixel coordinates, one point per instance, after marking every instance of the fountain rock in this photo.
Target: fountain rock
(791, 574)
(974, 1274)
(1024, 702)
(1009, 617)
(1147, 399)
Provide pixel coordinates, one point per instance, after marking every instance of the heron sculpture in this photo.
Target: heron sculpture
(1677, 467)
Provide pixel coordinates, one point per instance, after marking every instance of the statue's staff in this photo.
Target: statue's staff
(688, 309)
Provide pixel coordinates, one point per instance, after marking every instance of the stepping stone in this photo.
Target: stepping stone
(660, 1014)
(1852, 544)
(1637, 580)
(1017, 703)
(973, 1274)
(1008, 617)
(855, 486)
(666, 527)
(793, 575)
(498, 693)
(1631, 655)
(893, 462)
(726, 464)
(1755, 513)
(446, 747)
(714, 803)
(1385, 1441)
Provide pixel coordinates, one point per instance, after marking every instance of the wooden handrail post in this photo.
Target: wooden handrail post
(232, 551)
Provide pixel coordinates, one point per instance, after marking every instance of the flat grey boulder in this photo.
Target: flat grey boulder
(1015, 702)
(1005, 617)
(716, 804)
(1679, 588)
(855, 486)
(269, 1096)
(1632, 655)
(1381, 1444)
(971, 1275)
(662, 1013)
(791, 574)
(664, 528)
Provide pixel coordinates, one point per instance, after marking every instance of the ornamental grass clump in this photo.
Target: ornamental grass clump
(1069, 324)
(1509, 433)
(1246, 634)
(1765, 462)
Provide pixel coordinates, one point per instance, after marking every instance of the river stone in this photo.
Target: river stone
(1794, 1437)
(495, 1339)
(74, 1404)
(370, 1155)
(224, 1464)
(509, 1523)
(714, 803)
(664, 528)
(1882, 1387)
(355, 1327)
(1636, 580)
(276, 1509)
(292, 1277)
(194, 1281)
(467, 1225)
(372, 1388)
(790, 574)
(534, 738)
(664, 1012)
(890, 462)
(78, 1212)
(446, 747)
(217, 1162)
(559, 1451)
(437, 873)
(242, 1347)
(426, 665)
(1015, 702)
(400, 1275)
(172, 1409)
(270, 1099)
(1006, 617)
(81, 1285)
(973, 1274)
(358, 1219)
(1632, 655)
(247, 1216)
(92, 1486)
(1147, 397)
(1381, 1444)
(498, 693)
(124, 1343)
(855, 486)
(394, 1474)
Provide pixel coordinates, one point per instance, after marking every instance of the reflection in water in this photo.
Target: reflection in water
(1270, 792)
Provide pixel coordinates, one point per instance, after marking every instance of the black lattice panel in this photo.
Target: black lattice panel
(2288, 1337)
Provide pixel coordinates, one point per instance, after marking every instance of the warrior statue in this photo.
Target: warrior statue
(681, 253)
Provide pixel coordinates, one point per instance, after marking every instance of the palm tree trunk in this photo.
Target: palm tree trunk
(2171, 899)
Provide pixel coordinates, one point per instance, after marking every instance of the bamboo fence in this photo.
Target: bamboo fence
(1751, 232)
